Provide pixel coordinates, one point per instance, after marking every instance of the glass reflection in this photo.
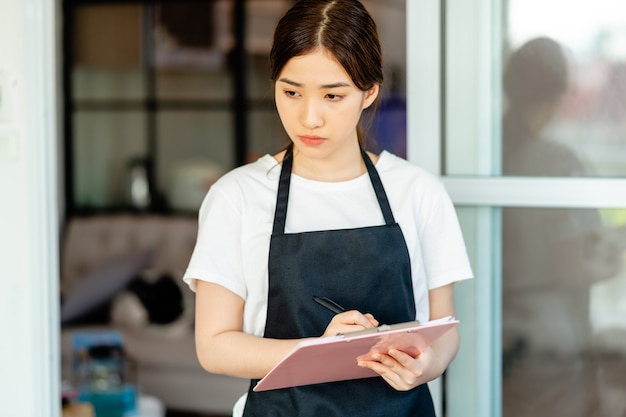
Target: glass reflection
(563, 312)
(564, 270)
(535, 82)
(565, 83)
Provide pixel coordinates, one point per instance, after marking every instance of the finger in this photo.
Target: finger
(355, 317)
(401, 364)
(383, 368)
(404, 358)
(410, 371)
(371, 319)
(349, 321)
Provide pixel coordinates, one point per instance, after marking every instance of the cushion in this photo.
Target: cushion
(101, 284)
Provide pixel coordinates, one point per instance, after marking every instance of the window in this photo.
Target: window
(528, 135)
(162, 98)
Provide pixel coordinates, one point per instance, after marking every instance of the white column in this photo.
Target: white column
(29, 360)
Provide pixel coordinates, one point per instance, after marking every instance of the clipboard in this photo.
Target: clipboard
(328, 359)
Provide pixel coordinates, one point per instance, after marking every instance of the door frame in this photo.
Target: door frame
(484, 195)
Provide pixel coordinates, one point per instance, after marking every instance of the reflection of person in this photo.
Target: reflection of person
(549, 254)
(535, 81)
(551, 257)
(372, 232)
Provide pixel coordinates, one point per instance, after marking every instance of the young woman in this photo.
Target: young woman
(323, 217)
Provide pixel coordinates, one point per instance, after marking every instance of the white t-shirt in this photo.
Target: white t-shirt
(236, 219)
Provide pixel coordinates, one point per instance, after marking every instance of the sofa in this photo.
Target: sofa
(101, 257)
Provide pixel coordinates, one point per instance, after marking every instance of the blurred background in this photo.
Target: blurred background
(179, 92)
(518, 106)
(161, 98)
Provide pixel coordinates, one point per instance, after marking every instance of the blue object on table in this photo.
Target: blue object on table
(112, 403)
(103, 374)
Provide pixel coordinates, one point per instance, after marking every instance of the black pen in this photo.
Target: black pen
(329, 304)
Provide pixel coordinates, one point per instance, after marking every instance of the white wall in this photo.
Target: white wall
(28, 210)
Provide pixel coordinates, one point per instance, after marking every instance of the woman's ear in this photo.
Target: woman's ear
(370, 96)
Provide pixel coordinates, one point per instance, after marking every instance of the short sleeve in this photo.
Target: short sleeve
(217, 255)
(443, 247)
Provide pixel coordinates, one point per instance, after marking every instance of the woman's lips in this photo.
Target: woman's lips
(312, 140)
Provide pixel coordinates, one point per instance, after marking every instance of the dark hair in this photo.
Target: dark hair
(342, 27)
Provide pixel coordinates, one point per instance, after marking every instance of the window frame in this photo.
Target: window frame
(478, 362)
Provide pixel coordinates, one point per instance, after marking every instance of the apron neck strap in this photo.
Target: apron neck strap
(282, 198)
(381, 195)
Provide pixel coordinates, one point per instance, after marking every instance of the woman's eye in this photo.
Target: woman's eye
(291, 93)
(333, 97)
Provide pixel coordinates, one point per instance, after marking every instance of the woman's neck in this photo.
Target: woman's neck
(344, 167)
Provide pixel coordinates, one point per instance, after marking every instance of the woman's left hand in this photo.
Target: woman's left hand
(402, 371)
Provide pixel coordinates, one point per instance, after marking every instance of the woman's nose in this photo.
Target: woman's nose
(312, 114)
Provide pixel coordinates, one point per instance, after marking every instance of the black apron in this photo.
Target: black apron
(367, 269)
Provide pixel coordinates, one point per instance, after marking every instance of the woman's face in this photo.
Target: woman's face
(320, 106)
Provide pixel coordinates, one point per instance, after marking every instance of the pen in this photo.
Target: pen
(329, 304)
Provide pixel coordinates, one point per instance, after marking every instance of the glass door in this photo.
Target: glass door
(149, 103)
(169, 95)
(520, 106)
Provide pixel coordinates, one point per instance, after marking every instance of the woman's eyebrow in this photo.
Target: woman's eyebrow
(322, 87)
(334, 85)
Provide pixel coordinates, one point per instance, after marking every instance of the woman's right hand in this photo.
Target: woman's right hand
(350, 321)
